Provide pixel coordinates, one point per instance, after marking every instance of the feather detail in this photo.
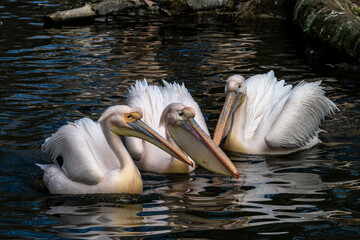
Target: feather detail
(176, 93)
(276, 118)
(90, 158)
(263, 92)
(152, 100)
(79, 151)
(299, 121)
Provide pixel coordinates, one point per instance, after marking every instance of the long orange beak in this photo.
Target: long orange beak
(142, 130)
(232, 100)
(198, 145)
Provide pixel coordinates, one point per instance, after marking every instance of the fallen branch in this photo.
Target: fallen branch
(106, 7)
(91, 11)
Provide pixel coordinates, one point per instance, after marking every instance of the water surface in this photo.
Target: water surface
(52, 76)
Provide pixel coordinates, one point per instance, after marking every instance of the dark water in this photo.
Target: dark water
(51, 76)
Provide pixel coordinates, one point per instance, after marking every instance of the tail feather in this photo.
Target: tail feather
(43, 166)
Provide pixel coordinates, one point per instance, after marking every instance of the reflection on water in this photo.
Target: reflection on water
(51, 76)
(90, 222)
(266, 193)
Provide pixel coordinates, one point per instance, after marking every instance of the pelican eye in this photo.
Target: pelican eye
(181, 113)
(129, 117)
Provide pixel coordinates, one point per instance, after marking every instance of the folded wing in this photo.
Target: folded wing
(295, 119)
(80, 149)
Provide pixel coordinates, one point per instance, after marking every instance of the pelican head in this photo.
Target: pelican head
(175, 113)
(235, 90)
(235, 84)
(120, 116)
(126, 121)
(187, 134)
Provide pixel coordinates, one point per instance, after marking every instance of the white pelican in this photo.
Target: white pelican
(89, 157)
(175, 118)
(262, 115)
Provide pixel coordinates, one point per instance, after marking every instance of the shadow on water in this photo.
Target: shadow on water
(51, 76)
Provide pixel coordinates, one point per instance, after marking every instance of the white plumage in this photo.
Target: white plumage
(89, 157)
(84, 161)
(267, 116)
(83, 142)
(181, 123)
(152, 100)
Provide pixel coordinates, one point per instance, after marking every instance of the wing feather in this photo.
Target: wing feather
(149, 100)
(152, 100)
(179, 93)
(263, 91)
(82, 153)
(296, 118)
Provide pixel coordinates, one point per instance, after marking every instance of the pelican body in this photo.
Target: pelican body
(181, 123)
(262, 115)
(89, 157)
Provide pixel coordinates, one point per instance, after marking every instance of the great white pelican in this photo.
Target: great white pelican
(89, 157)
(262, 115)
(181, 123)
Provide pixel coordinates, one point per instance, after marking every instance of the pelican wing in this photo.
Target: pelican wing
(176, 93)
(263, 91)
(152, 100)
(295, 120)
(149, 100)
(80, 149)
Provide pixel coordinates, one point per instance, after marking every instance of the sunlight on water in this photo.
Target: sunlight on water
(51, 76)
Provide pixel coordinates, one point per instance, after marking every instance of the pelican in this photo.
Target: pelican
(89, 157)
(262, 115)
(181, 123)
